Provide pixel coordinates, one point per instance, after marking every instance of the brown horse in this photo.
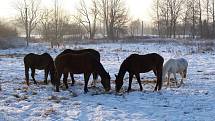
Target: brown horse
(136, 64)
(41, 62)
(78, 64)
(93, 52)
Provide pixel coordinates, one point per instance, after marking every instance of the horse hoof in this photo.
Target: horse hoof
(85, 91)
(57, 90)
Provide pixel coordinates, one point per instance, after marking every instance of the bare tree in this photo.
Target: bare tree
(200, 17)
(46, 24)
(213, 16)
(28, 15)
(53, 24)
(58, 21)
(134, 27)
(88, 17)
(186, 17)
(115, 17)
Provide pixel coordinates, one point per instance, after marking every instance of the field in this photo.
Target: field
(195, 100)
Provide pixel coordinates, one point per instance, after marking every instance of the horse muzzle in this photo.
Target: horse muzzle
(107, 89)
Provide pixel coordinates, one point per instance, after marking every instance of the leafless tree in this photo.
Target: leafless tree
(28, 15)
(115, 17)
(88, 16)
(134, 27)
(53, 24)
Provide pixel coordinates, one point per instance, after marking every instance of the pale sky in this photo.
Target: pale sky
(137, 8)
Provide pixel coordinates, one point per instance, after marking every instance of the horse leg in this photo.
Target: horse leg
(86, 80)
(72, 78)
(138, 80)
(174, 74)
(95, 76)
(58, 80)
(27, 75)
(155, 72)
(46, 76)
(130, 81)
(33, 74)
(168, 79)
(182, 77)
(65, 76)
(185, 73)
(159, 80)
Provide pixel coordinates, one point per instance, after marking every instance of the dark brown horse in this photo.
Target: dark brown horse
(136, 64)
(41, 62)
(78, 64)
(93, 52)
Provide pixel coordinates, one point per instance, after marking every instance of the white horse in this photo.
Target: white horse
(173, 66)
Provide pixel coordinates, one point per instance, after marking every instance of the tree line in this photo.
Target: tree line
(187, 18)
(110, 19)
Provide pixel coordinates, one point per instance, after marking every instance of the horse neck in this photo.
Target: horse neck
(122, 70)
(100, 69)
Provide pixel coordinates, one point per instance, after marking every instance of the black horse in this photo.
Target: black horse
(136, 64)
(42, 62)
(93, 52)
(78, 64)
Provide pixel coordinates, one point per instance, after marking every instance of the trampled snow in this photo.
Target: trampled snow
(195, 100)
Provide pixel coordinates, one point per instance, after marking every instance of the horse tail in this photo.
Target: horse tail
(52, 71)
(164, 71)
(53, 78)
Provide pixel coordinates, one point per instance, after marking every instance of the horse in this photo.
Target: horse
(81, 63)
(173, 66)
(136, 64)
(42, 62)
(93, 52)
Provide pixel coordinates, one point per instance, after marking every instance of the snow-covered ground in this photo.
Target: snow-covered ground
(193, 101)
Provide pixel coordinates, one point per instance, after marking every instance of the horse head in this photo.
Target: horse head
(119, 83)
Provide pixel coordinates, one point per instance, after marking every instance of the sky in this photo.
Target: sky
(137, 8)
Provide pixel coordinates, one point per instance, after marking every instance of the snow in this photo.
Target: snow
(193, 101)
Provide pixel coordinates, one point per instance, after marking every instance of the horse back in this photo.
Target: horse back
(182, 63)
(94, 53)
(38, 61)
(144, 63)
(76, 63)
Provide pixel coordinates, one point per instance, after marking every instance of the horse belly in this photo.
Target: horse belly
(78, 70)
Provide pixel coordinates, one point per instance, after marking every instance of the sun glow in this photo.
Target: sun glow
(138, 9)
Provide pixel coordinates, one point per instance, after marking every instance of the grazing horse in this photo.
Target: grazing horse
(41, 62)
(93, 52)
(136, 64)
(173, 66)
(78, 64)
